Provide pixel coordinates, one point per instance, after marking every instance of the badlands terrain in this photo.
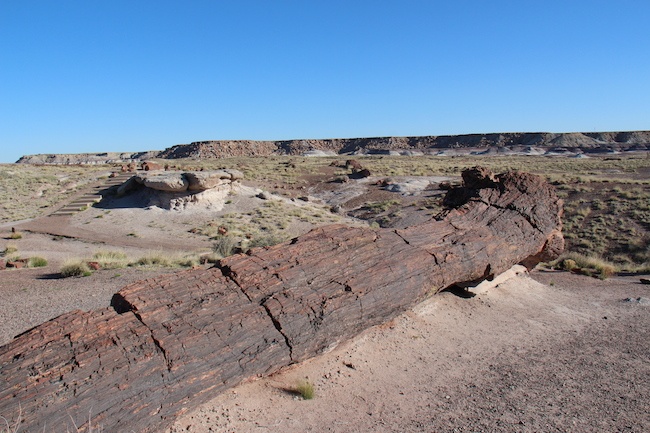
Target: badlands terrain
(545, 351)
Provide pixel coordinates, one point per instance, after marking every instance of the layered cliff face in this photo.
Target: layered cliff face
(88, 158)
(525, 143)
(516, 142)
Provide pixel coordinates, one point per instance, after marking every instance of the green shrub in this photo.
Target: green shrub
(37, 262)
(75, 268)
(305, 389)
(224, 246)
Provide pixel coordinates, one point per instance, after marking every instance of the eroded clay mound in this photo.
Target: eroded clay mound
(178, 190)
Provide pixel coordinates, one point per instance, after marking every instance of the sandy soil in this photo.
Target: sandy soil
(551, 352)
(545, 352)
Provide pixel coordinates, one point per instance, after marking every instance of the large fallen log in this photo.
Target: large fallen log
(170, 343)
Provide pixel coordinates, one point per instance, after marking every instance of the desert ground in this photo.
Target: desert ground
(540, 351)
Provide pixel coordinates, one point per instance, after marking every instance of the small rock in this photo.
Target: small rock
(640, 301)
(645, 280)
(150, 165)
(353, 164)
(18, 264)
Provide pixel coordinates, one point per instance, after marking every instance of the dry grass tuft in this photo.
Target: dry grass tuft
(75, 268)
(305, 389)
(111, 259)
(588, 265)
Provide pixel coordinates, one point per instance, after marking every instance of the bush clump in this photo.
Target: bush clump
(75, 268)
(587, 265)
(225, 246)
(305, 389)
(266, 240)
(111, 259)
(37, 262)
(155, 259)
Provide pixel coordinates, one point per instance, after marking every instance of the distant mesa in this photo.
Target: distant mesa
(524, 143)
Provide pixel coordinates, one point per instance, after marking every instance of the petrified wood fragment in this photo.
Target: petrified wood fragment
(170, 343)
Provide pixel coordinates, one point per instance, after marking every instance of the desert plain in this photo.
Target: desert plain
(545, 350)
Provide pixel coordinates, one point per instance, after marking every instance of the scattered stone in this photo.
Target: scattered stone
(17, 264)
(264, 195)
(361, 174)
(95, 266)
(645, 280)
(353, 164)
(150, 165)
(409, 187)
(640, 301)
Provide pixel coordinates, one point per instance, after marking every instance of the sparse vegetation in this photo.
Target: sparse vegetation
(269, 224)
(382, 206)
(111, 259)
(607, 200)
(37, 262)
(75, 268)
(225, 246)
(16, 235)
(10, 249)
(592, 266)
(305, 389)
(26, 190)
(157, 259)
(266, 240)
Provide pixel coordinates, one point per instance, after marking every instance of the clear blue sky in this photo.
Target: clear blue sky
(113, 75)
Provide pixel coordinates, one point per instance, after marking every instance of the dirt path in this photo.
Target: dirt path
(522, 357)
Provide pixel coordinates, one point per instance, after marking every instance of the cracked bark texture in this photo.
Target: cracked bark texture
(170, 343)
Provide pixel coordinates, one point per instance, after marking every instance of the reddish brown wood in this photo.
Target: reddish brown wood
(171, 343)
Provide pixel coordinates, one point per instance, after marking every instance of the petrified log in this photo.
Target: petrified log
(170, 343)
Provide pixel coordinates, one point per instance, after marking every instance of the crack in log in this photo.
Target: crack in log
(396, 231)
(278, 327)
(227, 273)
(156, 342)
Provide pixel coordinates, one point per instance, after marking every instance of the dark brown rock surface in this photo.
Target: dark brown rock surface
(171, 343)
